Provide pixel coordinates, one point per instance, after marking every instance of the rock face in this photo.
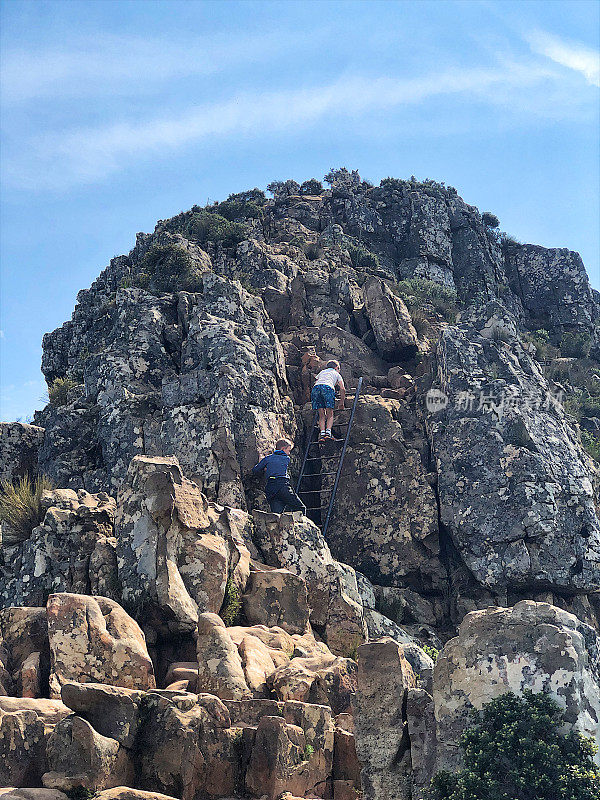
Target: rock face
(291, 663)
(530, 646)
(514, 484)
(19, 446)
(93, 639)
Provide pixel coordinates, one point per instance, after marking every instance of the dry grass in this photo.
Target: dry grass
(21, 506)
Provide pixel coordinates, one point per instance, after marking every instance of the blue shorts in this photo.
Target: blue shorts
(322, 396)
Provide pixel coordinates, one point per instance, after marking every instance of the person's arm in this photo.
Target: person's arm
(342, 399)
(260, 466)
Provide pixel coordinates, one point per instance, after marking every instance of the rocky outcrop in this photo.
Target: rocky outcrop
(465, 487)
(73, 550)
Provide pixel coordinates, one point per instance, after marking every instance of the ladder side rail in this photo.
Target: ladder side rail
(341, 462)
(308, 444)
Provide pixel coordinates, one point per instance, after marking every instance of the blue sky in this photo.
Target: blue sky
(116, 113)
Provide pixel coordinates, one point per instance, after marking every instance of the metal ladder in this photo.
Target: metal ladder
(309, 458)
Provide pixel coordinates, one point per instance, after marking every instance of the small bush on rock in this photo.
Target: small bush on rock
(575, 344)
(208, 227)
(361, 257)
(58, 391)
(232, 604)
(311, 187)
(417, 292)
(168, 268)
(21, 504)
(490, 220)
(515, 750)
(591, 444)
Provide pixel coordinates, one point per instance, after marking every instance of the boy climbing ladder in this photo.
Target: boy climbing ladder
(323, 396)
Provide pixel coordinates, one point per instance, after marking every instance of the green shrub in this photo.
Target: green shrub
(361, 257)
(21, 504)
(575, 344)
(311, 187)
(417, 292)
(206, 226)
(591, 444)
(168, 268)
(58, 390)
(515, 751)
(308, 751)
(232, 604)
(248, 205)
(490, 220)
(432, 652)
(80, 793)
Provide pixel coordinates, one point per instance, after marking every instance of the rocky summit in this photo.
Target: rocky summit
(165, 635)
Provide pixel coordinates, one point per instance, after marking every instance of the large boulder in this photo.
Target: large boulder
(276, 597)
(92, 640)
(186, 746)
(113, 711)
(382, 743)
(394, 333)
(72, 550)
(532, 646)
(220, 668)
(176, 550)
(25, 725)
(79, 756)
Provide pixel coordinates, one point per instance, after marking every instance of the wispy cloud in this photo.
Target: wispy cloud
(573, 55)
(89, 154)
(106, 65)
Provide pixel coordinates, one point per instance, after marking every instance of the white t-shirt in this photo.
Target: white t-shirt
(329, 377)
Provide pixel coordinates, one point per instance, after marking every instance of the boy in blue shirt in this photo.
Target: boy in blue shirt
(278, 490)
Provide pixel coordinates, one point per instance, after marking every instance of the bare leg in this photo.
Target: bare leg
(321, 419)
(329, 417)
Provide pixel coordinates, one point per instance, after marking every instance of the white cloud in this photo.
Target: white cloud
(569, 54)
(1, 334)
(89, 154)
(106, 65)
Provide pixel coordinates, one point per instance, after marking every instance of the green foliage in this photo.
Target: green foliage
(58, 390)
(540, 339)
(241, 205)
(80, 793)
(21, 504)
(168, 268)
(308, 751)
(311, 187)
(232, 604)
(418, 292)
(490, 220)
(591, 444)
(432, 652)
(515, 751)
(205, 226)
(427, 186)
(575, 344)
(361, 257)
